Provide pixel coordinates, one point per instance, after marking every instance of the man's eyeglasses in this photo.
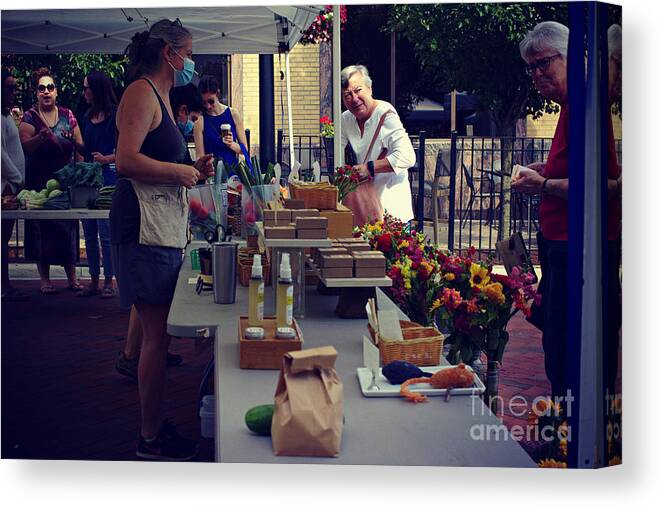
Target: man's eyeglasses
(50, 87)
(211, 101)
(542, 64)
(176, 22)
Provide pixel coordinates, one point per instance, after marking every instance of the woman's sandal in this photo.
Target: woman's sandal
(89, 291)
(47, 290)
(75, 287)
(107, 292)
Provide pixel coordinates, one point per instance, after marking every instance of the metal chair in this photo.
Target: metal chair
(475, 185)
(439, 189)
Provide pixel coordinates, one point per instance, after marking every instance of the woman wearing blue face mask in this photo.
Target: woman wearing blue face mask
(149, 215)
(208, 130)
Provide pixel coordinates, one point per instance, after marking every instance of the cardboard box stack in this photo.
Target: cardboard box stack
(309, 224)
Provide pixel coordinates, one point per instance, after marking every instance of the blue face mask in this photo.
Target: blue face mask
(184, 76)
(186, 127)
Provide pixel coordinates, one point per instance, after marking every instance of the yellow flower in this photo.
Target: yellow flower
(403, 244)
(552, 463)
(494, 292)
(449, 276)
(435, 305)
(407, 283)
(563, 447)
(479, 276)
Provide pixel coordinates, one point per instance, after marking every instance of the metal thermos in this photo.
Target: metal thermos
(224, 271)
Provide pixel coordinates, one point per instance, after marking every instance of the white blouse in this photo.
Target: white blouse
(393, 188)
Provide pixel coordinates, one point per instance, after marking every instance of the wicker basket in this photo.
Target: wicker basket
(422, 345)
(245, 266)
(319, 197)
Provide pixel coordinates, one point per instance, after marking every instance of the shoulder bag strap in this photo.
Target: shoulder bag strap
(376, 133)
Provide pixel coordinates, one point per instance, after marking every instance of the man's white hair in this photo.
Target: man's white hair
(615, 41)
(545, 35)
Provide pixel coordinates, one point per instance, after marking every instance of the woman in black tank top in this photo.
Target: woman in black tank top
(150, 153)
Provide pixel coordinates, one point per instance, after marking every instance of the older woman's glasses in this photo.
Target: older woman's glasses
(50, 87)
(542, 64)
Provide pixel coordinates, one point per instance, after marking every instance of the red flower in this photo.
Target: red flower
(384, 243)
(325, 120)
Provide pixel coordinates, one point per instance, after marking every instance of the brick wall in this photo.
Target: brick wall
(544, 127)
(304, 68)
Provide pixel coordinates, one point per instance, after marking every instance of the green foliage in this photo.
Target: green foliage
(69, 71)
(475, 48)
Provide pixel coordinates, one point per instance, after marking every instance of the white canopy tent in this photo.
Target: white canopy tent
(215, 30)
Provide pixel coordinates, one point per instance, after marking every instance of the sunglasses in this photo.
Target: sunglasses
(542, 64)
(50, 87)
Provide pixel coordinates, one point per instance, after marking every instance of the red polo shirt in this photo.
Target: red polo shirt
(553, 211)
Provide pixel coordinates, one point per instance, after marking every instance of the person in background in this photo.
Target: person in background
(207, 133)
(51, 139)
(13, 177)
(544, 49)
(184, 121)
(148, 234)
(98, 130)
(382, 148)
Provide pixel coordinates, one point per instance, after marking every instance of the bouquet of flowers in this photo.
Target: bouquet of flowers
(321, 29)
(327, 129)
(346, 180)
(460, 294)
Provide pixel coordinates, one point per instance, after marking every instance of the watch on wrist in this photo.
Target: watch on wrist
(544, 189)
(370, 168)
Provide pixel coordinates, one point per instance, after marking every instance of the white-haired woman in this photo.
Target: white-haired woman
(382, 148)
(544, 50)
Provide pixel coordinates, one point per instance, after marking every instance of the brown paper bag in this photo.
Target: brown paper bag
(309, 405)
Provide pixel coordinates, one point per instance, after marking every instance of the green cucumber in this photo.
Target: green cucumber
(258, 419)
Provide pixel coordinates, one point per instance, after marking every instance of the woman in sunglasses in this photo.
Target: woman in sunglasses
(51, 138)
(230, 146)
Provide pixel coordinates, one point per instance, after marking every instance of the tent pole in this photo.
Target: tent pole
(337, 99)
(290, 123)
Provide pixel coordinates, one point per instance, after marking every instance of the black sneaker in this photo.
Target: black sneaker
(126, 366)
(168, 445)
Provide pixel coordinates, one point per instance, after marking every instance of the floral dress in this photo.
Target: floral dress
(50, 241)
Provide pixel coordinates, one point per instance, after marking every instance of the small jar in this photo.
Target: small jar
(285, 333)
(254, 333)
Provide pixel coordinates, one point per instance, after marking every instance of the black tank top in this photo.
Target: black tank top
(165, 143)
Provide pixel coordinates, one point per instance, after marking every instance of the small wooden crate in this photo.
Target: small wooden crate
(266, 353)
(422, 345)
(321, 198)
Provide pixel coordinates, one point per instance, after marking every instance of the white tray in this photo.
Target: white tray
(388, 390)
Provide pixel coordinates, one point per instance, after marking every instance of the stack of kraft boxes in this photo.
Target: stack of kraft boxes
(350, 258)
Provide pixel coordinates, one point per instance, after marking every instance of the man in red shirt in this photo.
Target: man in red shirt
(545, 51)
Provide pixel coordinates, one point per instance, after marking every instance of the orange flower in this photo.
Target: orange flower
(552, 463)
(494, 292)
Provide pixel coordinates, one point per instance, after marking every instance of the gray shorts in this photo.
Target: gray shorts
(145, 273)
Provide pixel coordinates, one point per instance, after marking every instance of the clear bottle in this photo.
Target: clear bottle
(256, 293)
(284, 294)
